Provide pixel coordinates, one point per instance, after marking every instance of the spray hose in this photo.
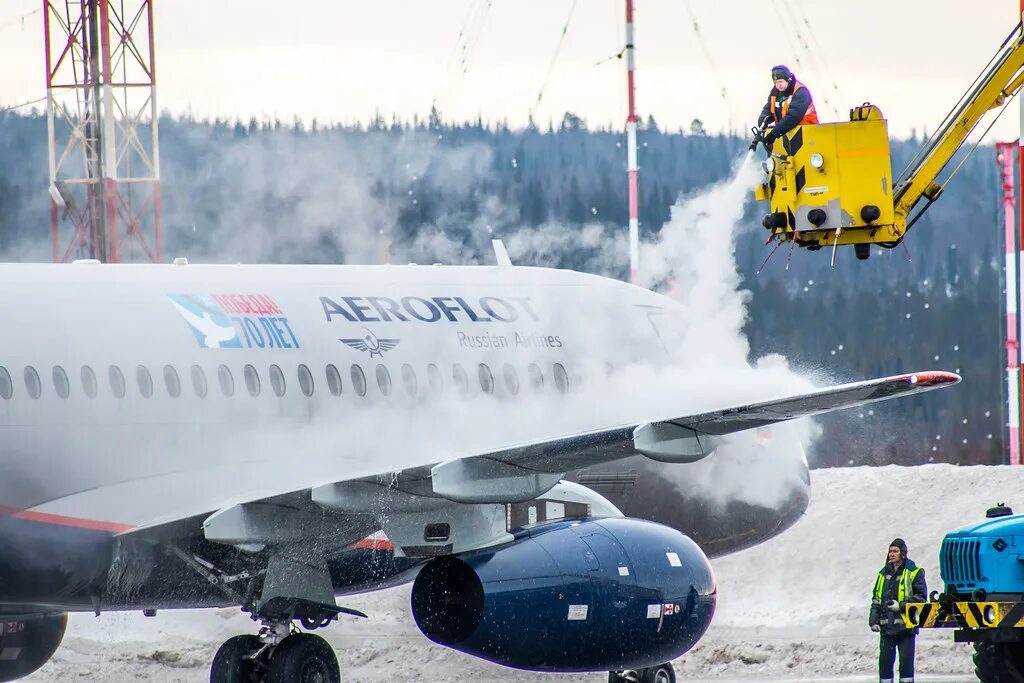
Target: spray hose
(758, 134)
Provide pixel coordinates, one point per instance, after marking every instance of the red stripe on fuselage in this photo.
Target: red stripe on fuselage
(61, 520)
(374, 544)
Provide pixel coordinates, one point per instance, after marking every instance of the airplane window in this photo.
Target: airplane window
(172, 381)
(116, 381)
(252, 380)
(32, 383)
(536, 376)
(277, 380)
(305, 381)
(511, 379)
(561, 378)
(145, 381)
(358, 380)
(60, 382)
(409, 380)
(461, 380)
(6, 385)
(89, 384)
(434, 379)
(486, 378)
(334, 380)
(198, 381)
(227, 382)
(384, 380)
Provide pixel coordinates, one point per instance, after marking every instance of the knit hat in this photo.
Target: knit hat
(782, 71)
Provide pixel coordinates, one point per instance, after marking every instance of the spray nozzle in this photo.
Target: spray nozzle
(758, 133)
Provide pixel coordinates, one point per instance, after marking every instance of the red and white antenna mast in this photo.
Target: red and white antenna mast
(631, 159)
(1015, 446)
(101, 115)
(1004, 158)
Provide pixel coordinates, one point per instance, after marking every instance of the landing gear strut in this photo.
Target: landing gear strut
(663, 673)
(279, 654)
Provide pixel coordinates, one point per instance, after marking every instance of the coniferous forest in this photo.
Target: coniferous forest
(268, 191)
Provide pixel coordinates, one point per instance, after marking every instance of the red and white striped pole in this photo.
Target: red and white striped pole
(631, 159)
(1020, 253)
(1004, 158)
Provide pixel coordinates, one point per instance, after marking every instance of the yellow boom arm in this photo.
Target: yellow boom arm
(831, 184)
(1001, 81)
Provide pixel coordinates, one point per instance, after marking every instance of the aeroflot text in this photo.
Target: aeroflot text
(486, 309)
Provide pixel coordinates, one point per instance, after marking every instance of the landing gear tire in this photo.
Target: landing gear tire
(303, 658)
(663, 673)
(232, 663)
(999, 663)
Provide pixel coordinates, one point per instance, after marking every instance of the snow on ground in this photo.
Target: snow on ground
(794, 608)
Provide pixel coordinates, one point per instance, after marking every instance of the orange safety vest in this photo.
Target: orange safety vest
(810, 116)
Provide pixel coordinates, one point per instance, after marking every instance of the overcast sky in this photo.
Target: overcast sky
(341, 61)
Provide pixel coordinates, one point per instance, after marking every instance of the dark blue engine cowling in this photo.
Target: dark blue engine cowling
(27, 642)
(596, 595)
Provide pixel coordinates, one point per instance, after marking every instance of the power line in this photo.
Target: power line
(23, 104)
(473, 38)
(802, 42)
(789, 40)
(19, 20)
(459, 57)
(706, 49)
(821, 54)
(554, 58)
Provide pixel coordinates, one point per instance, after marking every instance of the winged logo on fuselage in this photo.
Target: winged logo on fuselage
(375, 347)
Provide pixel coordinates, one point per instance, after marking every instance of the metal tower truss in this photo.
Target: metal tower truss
(102, 125)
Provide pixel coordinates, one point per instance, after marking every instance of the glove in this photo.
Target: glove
(770, 138)
(875, 628)
(893, 606)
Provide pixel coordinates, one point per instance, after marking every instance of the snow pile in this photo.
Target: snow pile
(791, 609)
(833, 554)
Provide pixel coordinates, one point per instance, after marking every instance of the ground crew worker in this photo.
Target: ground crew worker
(789, 105)
(900, 581)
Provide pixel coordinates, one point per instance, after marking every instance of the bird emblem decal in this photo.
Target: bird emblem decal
(376, 347)
(213, 329)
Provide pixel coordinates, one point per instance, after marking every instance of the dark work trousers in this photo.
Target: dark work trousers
(904, 642)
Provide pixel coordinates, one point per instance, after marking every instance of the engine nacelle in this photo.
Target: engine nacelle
(597, 595)
(28, 642)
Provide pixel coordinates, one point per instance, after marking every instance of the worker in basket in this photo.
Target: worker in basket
(789, 105)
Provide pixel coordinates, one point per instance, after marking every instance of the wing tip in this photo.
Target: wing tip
(931, 378)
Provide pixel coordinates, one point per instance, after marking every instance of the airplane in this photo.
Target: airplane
(183, 436)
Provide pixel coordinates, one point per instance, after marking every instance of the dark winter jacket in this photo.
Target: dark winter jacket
(800, 107)
(887, 588)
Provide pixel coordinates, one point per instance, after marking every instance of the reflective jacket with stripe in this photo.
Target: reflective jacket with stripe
(789, 109)
(906, 584)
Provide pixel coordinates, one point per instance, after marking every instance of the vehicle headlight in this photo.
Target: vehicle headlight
(769, 165)
(989, 614)
(817, 161)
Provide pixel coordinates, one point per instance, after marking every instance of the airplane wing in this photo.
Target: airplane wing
(514, 474)
(678, 440)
